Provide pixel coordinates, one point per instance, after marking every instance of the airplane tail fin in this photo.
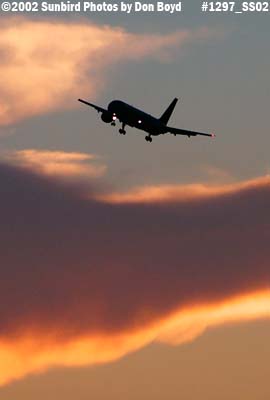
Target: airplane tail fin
(164, 119)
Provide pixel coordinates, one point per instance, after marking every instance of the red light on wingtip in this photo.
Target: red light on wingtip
(213, 135)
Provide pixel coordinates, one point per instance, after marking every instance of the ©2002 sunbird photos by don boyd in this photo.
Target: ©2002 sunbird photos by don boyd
(131, 116)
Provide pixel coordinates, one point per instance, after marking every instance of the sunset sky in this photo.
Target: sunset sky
(133, 270)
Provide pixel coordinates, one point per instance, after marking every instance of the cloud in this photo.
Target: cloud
(215, 174)
(34, 354)
(178, 193)
(85, 281)
(68, 165)
(45, 66)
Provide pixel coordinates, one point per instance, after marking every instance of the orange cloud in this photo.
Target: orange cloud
(91, 281)
(38, 75)
(176, 193)
(34, 354)
(58, 163)
(188, 324)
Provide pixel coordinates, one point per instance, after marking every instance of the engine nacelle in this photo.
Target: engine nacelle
(106, 117)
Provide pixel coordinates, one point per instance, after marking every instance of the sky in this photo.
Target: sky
(129, 269)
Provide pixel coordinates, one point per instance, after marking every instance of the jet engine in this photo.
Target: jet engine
(106, 117)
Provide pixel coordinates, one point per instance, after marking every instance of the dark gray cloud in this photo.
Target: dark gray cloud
(82, 266)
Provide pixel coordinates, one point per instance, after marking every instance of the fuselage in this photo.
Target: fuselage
(136, 118)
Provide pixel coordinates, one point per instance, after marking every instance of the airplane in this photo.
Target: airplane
(133, 117)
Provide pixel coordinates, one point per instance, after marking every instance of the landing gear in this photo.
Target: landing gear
(148, 139)
(113, 123)
(122, 130)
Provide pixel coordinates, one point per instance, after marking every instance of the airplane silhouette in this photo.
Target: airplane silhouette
(131, 116)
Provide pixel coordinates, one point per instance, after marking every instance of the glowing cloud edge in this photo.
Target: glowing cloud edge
(31, 353)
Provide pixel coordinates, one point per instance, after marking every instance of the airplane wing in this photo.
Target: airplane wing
(176, 131)
(99, 109)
